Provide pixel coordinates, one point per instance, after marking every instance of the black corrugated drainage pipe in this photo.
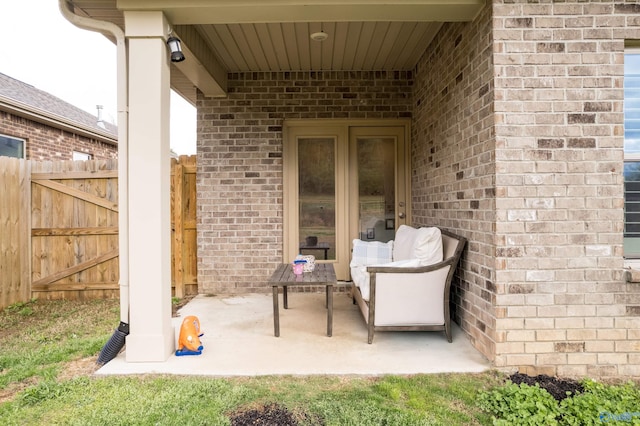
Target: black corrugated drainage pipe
(113, 346)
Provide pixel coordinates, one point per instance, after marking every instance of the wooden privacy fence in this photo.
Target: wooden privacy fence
(59, 229)
(14, 231)
(184, 248)
(74, 229)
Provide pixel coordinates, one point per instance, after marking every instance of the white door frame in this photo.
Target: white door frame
(339, 129)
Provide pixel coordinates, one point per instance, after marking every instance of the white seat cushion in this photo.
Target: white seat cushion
(411, 248)
(362, 278)
(367, 253)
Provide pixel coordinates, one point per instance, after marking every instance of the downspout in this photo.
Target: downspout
(123, 157)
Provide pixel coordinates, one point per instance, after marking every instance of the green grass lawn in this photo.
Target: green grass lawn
(48, 352)
(47, 356)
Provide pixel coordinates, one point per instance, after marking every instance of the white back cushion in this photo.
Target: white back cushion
(403, 244)
(427, 246)
(424, 244)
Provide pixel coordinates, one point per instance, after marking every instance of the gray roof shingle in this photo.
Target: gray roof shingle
(39, 100)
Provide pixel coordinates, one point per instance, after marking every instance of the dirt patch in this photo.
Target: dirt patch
(176, 305)
(12, 389)
(267, 415)
(557, 387)
(79, 368)
(270, 415)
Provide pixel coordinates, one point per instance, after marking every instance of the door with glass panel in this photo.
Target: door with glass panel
(378, 182)
(342, 182)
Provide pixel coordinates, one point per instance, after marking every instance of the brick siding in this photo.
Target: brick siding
(561, 294)
(453, 163)
(517, 144)
(239, 184)
(49, 143)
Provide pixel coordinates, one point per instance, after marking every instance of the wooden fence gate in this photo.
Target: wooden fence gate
(60, 234)
(74, 229)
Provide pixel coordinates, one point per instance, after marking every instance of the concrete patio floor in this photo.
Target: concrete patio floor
(239, 341)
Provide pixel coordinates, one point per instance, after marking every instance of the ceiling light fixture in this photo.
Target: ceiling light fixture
(319, 36)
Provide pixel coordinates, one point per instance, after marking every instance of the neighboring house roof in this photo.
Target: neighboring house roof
(25, 100)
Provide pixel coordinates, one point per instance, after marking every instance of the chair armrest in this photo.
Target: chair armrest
(420, 298)
(411, 270)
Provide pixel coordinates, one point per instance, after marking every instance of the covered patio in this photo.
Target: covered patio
(513, 137)
(238, 341)
(253, 73)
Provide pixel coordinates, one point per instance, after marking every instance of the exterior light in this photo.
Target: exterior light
(319, 36)
(176, 49)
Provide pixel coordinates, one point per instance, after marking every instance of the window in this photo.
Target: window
(632, 154)
(82, 156)
(11, 147)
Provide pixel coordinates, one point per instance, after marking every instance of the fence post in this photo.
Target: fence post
(15, 231)
(25, 240)
(178, 224)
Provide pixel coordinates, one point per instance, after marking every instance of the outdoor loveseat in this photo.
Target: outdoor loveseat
(405, 284)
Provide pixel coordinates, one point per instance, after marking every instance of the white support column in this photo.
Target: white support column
(151, 337)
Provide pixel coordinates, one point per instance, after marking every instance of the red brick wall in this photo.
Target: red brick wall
(48, 143)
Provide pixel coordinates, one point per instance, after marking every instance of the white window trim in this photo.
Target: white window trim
(86, 156)
(24, 143)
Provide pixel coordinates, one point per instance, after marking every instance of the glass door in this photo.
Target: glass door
(377, 193)
(315, 194)
(342, 182)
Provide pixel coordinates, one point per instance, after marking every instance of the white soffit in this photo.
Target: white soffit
(222, 36)
(192, 12)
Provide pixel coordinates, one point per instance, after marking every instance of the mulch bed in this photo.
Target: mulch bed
(557, 387)
(268, 415)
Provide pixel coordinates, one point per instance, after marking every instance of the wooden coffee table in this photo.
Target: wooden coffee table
(323, 274)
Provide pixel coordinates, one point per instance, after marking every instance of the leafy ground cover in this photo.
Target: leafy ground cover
(545, 400)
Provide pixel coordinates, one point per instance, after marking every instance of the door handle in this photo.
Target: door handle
(401, 215)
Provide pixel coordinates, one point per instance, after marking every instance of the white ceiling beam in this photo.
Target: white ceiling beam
(190, 12)
(200, 66)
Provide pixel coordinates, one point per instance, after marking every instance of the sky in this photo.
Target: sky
(43, 49)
